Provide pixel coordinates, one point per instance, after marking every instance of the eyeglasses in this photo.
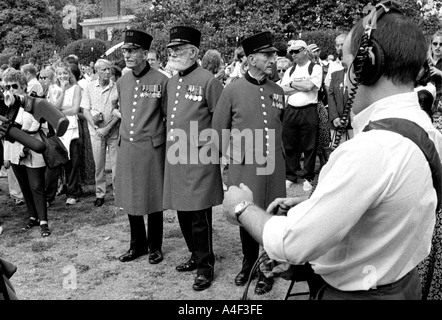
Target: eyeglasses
(43, 78)
(437, 44)
(13, 86)
(296, 51)
(129, 51)
(177, 50)
(282, 70)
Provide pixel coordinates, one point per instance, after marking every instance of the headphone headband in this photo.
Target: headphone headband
(370, 21)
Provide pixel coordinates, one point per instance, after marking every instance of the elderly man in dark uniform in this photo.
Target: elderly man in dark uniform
(141, 154)
(254, 103)
(192, 186)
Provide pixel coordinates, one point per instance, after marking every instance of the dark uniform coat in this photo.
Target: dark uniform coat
(141, 154)
(247, 104)
(337, 99)
(189, 183)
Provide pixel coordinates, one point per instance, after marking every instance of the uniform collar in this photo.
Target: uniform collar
(188, 70)
(142, 73)
(254, 81)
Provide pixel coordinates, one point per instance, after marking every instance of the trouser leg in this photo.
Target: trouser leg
(155, 231)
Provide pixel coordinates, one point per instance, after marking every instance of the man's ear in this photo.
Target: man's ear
(251, 60)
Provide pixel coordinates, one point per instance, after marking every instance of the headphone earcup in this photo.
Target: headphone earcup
(373, 64)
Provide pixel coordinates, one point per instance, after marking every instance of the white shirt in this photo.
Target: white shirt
(34, 85)
(303, 98)
(332, 67)
(371, 218)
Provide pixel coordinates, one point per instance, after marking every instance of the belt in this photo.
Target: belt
(303, 107)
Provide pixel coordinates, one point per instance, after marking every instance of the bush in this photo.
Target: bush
(87, 50)
(4, 58)
(324, 39)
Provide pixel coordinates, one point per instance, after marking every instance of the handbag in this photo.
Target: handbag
(55, 154)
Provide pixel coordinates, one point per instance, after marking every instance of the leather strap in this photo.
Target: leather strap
(419, 136)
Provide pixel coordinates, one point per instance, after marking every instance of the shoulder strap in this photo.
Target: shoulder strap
(292, 69)
(310, 68)
(419, 136)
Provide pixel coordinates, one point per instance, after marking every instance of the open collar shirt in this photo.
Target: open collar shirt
(99, 99)
(371, 218)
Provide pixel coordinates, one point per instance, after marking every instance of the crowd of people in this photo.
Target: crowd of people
(180, 125)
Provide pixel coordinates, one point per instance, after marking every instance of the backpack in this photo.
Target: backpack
(322, 92)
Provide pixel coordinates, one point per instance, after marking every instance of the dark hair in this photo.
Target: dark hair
(282, 48)
(75, 70)
(15, 62)
(424, 75)
(323, 55)
(116, 71)
(403, 43)
(70, 59)
(426, 100)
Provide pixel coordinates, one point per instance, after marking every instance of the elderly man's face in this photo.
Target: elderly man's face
(339, 42)
(104, 73)
(263, 62)
(180, 57)
(134, 57)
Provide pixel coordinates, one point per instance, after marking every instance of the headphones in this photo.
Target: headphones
(369, 62)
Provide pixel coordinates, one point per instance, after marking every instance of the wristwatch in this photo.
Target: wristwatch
(240, 208)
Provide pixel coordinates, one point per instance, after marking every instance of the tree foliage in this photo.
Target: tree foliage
(86, 50)
(35, 27)
(25, 26)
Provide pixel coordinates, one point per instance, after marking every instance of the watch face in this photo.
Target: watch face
(239, 207)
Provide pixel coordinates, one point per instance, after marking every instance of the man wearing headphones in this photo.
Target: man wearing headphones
(370, 220)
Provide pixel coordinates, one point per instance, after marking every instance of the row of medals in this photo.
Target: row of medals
(277, 101)
(151, 91)
(194, 93)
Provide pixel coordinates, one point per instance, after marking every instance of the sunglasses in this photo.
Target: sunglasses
(282, 70)
(296, 51)
(437, 44)
(13, 86)
(43, 78)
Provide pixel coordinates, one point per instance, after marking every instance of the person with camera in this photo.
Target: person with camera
(29, 166)
(97, 104)
(369, 222)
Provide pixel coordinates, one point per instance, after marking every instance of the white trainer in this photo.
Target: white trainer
(307, 186)
(288, 183)
(71, 201)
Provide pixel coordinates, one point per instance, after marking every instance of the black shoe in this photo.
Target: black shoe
(98, 202)
(31, 223)
(132, 254)
(189, 265)
(263, 285)
(242, 277)
(155, 257)
(201, 283)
